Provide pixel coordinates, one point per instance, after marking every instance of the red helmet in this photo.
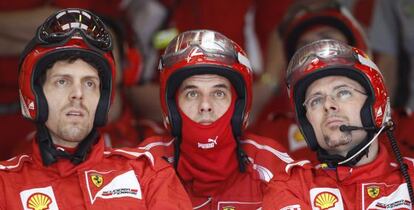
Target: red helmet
(74, 32)
(306, 15)
(330, 57)
(204, 52)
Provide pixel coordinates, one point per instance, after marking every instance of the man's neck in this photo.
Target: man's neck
(62, 142)
(371, 155)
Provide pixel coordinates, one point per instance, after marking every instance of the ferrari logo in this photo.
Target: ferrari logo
(97, 180)
(373, 191)
(229, 208)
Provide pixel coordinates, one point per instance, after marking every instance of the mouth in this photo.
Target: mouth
(334, 122)
(75, 113)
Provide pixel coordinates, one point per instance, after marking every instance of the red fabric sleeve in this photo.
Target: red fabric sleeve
(165, 191)
(289, 194)
(2, 195)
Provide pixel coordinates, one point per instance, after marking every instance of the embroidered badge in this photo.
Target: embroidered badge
(373, 191)
(116, 185)
(211, 143)
(325, 200)
(38, 199)
(97, 180)
(389, 197)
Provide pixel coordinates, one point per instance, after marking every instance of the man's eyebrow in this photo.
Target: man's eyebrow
(188, 87)
(341, 86)
(314, 94)
(92, 77)
(335, 88)
(69, 75)
(58, 75)
(221, 85)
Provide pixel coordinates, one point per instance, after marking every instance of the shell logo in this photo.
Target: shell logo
(325, 200)
(298, 136)
(39, 201)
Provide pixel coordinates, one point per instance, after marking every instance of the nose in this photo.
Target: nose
(76, 92)
(330, 104)
(205, 105)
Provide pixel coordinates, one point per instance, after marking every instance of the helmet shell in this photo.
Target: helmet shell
(309, 64)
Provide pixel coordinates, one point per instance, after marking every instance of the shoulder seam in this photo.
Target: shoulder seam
(297, 163)
(411, 160)
(8, 167)
(155, 144)
(281, 155)
(135, 154)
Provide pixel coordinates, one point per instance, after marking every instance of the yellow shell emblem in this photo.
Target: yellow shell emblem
(97, 180)
(373, 191)
(39, 201)
(298, 136)
(325, 200)
(229, 208)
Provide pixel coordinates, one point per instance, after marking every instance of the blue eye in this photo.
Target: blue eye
(316, 101)
(191, 94)
(343, 94)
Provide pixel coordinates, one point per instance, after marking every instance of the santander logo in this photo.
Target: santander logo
(211, 143)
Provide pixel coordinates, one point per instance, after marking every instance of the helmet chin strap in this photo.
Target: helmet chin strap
(50, 154)
(353, 156)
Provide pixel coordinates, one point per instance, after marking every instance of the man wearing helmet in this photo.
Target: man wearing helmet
(206, 96)
(342, 106)
(305, 21)
(66, 79)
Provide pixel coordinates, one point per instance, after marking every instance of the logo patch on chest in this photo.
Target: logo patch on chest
(373, 191)
(383, 196)
(211, 143)
(97, 180)
(38, 199)
(112, 184)
(326, 198)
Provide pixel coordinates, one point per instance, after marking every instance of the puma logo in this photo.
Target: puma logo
(211, 143)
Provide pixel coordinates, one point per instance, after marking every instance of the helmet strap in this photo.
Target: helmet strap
(50, 154)
(241, 156)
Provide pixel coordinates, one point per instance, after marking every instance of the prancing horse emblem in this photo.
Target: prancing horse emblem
(97, 180)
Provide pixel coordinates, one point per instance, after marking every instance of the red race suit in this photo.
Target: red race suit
(376, 185)
(241, 190)
(113, 179)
